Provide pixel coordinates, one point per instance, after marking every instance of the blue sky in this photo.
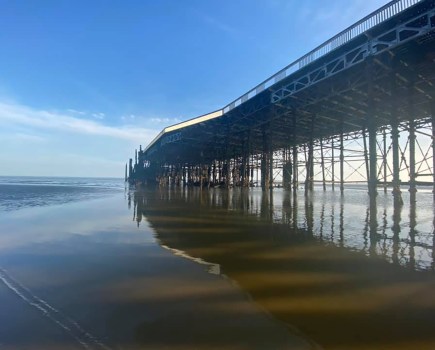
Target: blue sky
(83, 83)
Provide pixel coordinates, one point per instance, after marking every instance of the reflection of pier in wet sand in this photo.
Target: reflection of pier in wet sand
(316, 260)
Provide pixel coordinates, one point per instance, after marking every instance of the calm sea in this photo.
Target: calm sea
(91, 263)
(17, 192)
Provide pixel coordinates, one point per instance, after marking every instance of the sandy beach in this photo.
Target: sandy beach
(83, 274)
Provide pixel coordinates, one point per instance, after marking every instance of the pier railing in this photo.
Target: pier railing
(382, 14)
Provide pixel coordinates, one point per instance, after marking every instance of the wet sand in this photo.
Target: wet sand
(84, 275)
(340, 297)
(217, 270)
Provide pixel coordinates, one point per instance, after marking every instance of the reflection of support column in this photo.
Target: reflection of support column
(265, 205)
(384, 231)
(384, 158)
(264, 172)
(341, 158)
(270, 165)
(183, 174)
(322, 220)
(309, 215)
(396, 233)
(209, 174)
(227, 171)
(286, 208)
(332, 164)
(433, 241)
(332, 220)
(295, 211)
(341, 221)
(412, 233)
(189, 174)
(373, 227)
(366, 229)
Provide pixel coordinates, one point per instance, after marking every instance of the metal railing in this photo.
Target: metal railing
(382, 14)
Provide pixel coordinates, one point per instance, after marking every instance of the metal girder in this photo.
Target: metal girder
(418, 26)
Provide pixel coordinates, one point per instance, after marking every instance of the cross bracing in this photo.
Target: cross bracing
(376, 76)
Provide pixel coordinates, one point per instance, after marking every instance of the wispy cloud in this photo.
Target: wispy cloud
(16, 114)
(130, 117)
(217, 24)
(28, 137)
(75, 111)
(99, 116)
(315, 22)
(165, 121)
(95, 115)
(155, 122)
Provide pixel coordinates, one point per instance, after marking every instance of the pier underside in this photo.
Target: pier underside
(363, 112)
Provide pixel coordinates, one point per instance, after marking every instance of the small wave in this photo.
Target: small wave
(62, 181)
(17, 193)
(77, 332)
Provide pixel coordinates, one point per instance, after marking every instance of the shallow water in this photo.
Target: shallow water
(217, 269)
(18, 192)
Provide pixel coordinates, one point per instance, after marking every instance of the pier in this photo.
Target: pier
(358, 108)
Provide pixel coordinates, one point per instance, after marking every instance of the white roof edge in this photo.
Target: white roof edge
(194, 121)
(154, 140)
(184, 124)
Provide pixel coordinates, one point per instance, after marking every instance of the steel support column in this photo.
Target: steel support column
(309, 167)
(341, 158)
(295, 167)
(309, 179)
(370, 121)
(412, 173)
(384, 158)
(397, 194)
(332, 164)
(366, 153)
(411, 126)
(295, 155)
(265, 172)
(433, 148)
(270, 164)
(322, 160)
